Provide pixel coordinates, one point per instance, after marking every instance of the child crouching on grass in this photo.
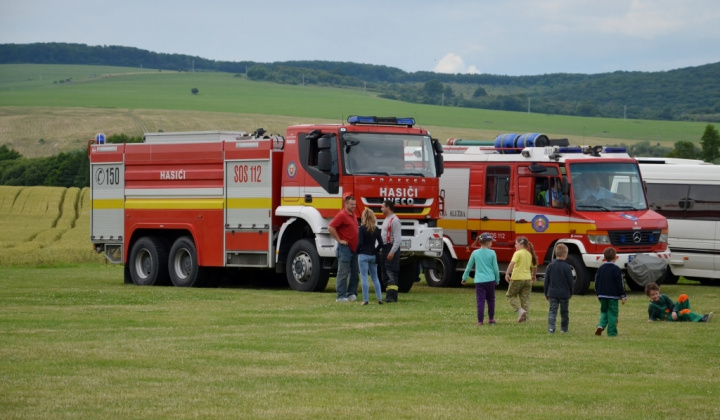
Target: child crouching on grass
(610, 288)
(662, 308)
(487, 276)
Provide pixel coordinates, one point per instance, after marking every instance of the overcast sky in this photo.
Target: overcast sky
(513, 37)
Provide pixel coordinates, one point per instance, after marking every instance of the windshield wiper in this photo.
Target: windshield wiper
(372, 173)
(628, 207)
(409, 173)
(595, 207)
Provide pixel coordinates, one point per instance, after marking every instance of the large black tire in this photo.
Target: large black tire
(581, 273)
(408, 276)
(443, 275)
(668, 277)
(632, 285)
(183, 264)
(148, 262)
(304, 270)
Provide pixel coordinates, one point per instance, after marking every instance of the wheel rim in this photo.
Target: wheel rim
(183, 263)
(143, 264)
(302, 268)
(433, 272)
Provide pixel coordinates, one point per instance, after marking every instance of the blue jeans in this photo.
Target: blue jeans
(563, 303)
(368, 263)
(347, 272)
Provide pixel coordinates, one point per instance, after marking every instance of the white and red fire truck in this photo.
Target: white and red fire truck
(179, 206)
(504, 189)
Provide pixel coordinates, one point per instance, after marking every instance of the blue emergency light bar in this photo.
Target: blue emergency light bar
(614, 150)
(356, 119)
(570, 149)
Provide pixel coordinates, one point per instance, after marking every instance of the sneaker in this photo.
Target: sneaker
(480, 323)
(551, 331)
(522, 315)
(352, 298)
(341, 300)
(563, 331)
(365, 302)
(380, 302)
(599, 330)
(492, 322)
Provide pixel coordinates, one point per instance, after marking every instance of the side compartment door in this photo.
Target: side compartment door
(248, 213)
(455, 183)
(497, 216)
(107, 195)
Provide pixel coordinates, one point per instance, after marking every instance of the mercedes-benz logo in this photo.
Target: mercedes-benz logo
(637, 237)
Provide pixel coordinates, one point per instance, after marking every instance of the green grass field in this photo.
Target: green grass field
(28, 93)
(78, 343)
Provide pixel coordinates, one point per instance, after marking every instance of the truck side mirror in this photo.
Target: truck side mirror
(324, 160)
(439, 164)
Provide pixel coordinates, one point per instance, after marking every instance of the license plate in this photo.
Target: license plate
(405, 244)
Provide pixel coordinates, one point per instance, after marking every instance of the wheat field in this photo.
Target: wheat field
(42, 226)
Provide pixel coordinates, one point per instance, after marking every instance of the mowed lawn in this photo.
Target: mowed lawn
(75, 342)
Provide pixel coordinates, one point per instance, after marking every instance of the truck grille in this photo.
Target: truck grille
(417, 207)
(633, 238)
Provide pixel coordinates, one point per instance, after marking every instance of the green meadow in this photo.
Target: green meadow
(26, 88)
(78, 343)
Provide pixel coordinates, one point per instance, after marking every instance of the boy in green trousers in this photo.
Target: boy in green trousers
(610, 288)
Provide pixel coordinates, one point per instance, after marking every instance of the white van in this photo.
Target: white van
(687, 193)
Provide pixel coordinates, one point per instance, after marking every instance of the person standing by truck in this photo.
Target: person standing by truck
(369, 244)
(521, 273)
(344, 229)
(392, 237)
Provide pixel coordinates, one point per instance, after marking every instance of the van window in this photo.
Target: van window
(497, 185)
(668, 199)
(703, 202)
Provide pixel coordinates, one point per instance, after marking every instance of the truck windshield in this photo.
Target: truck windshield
(607, 187)
(388, 154)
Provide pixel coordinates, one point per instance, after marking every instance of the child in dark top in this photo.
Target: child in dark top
(558, 285)
(610, 288)
(662, 308)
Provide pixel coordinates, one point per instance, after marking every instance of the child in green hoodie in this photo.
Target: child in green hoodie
(662, 308)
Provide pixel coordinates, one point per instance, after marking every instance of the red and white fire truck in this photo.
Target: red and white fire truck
(179, 206)
(522, 185)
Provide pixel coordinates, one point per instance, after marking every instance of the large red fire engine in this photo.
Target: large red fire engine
(543, 192)
(180, 204)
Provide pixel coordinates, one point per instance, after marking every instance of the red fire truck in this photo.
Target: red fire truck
(180, 206)
(588, 198)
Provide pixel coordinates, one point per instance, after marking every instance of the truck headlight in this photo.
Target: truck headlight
(435, 243)
(663, 236)
(599, 237)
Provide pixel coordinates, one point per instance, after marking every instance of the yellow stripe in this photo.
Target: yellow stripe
(249, 203)
(520, 228)
(107, 204)
(174, 203)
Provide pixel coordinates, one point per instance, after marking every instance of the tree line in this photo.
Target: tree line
(72, 169)
(691, 93)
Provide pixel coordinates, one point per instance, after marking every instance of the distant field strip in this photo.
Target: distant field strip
(45, 226)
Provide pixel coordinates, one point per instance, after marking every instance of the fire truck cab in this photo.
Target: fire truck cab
(180, 206)
(588, 198)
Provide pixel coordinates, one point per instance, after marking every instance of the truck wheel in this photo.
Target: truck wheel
(304, 271)
(148, 262)
(581, 273)
(668, 277)
(183, 264)
(443, 275)
(633, 286)
(408, 275)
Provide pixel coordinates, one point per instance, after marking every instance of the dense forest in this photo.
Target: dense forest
(691, 93)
